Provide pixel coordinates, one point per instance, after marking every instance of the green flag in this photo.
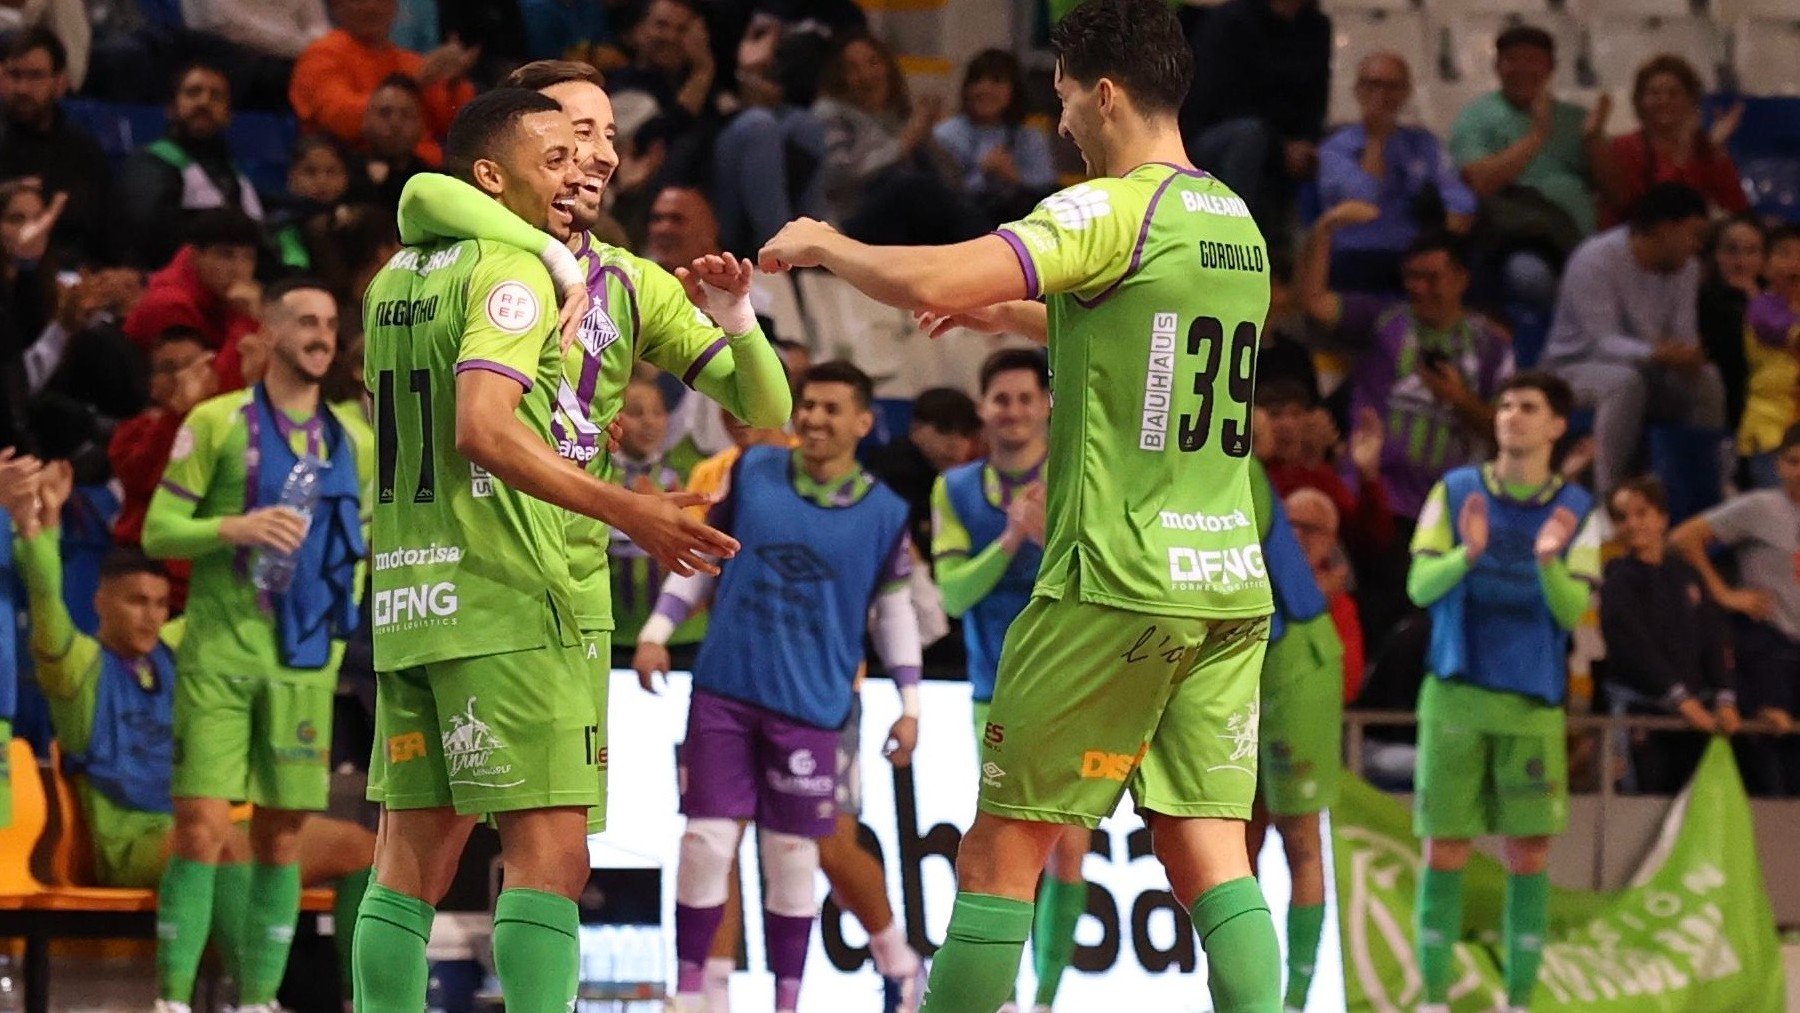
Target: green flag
(1693, 930)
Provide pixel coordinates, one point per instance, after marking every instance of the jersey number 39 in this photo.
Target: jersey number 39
(1206, 342)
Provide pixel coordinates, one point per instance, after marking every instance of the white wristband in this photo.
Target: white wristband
(909, 701)
(565, 270)
(733, 313)
(657, 630)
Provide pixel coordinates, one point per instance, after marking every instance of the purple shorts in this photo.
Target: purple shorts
(745, 762)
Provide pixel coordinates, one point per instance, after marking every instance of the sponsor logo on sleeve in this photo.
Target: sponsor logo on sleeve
(184, 444)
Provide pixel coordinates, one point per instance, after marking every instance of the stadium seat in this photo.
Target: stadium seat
(1766, 55)
(1464, 49)
(1338, 9)
(1356, 34)
(1619, 45)
(1591, 9)
(19, 838)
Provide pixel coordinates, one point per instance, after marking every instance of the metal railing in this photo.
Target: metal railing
(1605, 726)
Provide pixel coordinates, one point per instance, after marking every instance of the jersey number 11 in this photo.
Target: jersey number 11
(388, 433)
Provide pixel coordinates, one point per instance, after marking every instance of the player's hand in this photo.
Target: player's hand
(986, 320)
(1695, 714)
(719, 284)
(1472, 527)
(56, 483)
(902, 739)
(1366, 441)
(1782, 720)
(1025, 515)
(680, 544)
(21, 475)
(277, 528)
(796, 245)
(1751, 602)
(615, 435)
(650, 661)
(575, 301)
(1729, 719)
(1554, 536)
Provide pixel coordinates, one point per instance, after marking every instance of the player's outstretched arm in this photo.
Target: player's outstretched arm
(64, 655)
(490, 435)
(680, 597)
(1026, 317)
(745, 375)
(898, 645)
(941, 280)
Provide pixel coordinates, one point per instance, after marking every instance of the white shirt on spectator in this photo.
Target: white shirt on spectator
(1613, 309)
(279, 28)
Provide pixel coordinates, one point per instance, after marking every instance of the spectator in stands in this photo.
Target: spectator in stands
(1301, 438)
(28, 271)
(1262, 73)
(1625, 335)
(1762, 531)
(1733, 265)
(211, 287)
(1401, 170)
(66, 19)
(1004, 163)
(672, 61)
(568, 30)
(1315, 521)
(945, 432)
(189, 169)
(1427, 366)
(1671, 145)
(265, 38)
(1531, 159)
(1283, 348)
(40, 142)
(882, 164)
(338, 74)
(393, 126)
(318, 184)
(84, 373)
(682, 227)
(1772, 353)
(640, 465)
(765, 168)
(1665, 639)
(181, 376)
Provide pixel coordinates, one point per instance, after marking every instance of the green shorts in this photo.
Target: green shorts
(1092, 699)
(1302, 719)
(1489, 763)
(498, 733)
(133, 850)
(252, 739)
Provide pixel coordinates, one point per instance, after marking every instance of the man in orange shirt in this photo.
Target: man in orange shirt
(338, 74)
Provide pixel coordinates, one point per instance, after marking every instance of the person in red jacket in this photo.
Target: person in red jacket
(1315, 521)
(181, 376)
(1300, 439)
(209, 287)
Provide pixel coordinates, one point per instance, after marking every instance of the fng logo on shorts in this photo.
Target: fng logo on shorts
(469, 748)
(419, 605)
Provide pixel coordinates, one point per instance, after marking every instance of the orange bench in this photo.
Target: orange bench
(48, 832)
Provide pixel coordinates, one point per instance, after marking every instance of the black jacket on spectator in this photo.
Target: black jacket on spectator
(1721, 317)
(1665, 639)
(68, 160)
(904, 468)
(149, 192)
(1251, 62)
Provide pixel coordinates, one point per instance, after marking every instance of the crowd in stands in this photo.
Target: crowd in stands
(1411, 274)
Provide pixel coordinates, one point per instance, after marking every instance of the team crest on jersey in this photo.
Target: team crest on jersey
(598, 331)
(470, 748)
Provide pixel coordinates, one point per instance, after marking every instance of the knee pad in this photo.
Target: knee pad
(791, 866)
(703, 877)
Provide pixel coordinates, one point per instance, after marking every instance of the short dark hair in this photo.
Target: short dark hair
(1525, 35)
(1555, 389)
(485, 121)
(540, 74)
(223, 227)
(1137, 43)
(1789, 233)
(28, 40)
(279, 290)
(845, 372)
(1007, 360)
(1790, 438)
(402, 82)
(1284, 392)
(201, 63)
(175, 334)
(997, 65)
(127, 560)
(1438, 241)
(1666, 202)
(1648, 486)
(946, 410)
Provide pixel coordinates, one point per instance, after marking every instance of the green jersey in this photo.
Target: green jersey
(1157, 285)
(463, 565)
(207, 479)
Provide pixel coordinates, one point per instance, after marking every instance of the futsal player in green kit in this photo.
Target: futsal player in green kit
(257, 671)
(1137, 661)
(485, 702)
(634, 310)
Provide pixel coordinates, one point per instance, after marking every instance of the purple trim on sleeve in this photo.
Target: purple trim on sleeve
(672, 608)
(177, 490)
(899, 565)
(905, 675)
(599, 291)
(1033, 287)
(495, 367)
(693, 371)
(1185, 171)
(1137, 251)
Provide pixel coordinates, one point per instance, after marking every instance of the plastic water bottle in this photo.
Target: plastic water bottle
(12, 991)
(274, 571)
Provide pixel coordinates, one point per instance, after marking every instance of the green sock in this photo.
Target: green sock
(389, 963)
(184, 905)
(1305, 924)
(1059, 907)
(1243, 959)
(978, 967)
(350, 891)
(1527, 918)
(230, 906)
(268, 931)
(536, 953)
(1440, 926)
